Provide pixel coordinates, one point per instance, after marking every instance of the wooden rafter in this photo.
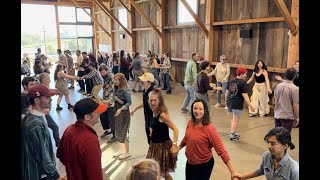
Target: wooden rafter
(136, 6)
(93, 19)
(162, 39)
(57, 26)
(59, 3)
(124, 6)
(286, 14)
(210, 39)
(195, 17)
(247, 21)
(158, 3)
(107, 11)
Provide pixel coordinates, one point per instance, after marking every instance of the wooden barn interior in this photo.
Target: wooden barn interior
(243, 30)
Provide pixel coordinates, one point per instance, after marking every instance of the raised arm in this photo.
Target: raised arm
(265, 73)
(62, 74)
(251, 78)
(136, 108)
(214, 71)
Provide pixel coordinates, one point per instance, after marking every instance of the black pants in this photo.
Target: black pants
(200, 171)
(148, 134)
(81, 82)
(89, 85)
(131, 74)
(55, 129)
(107, 120)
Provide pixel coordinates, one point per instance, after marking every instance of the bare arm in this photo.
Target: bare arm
(247, 176)
(62, 74)
(265, 73)
(136, 108)
(249, 81)
(296, 112)
(213, 72)
(228, 73)
(231, 169)
(165, 117)
(246, 98)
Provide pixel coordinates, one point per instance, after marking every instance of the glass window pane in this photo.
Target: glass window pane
(85, 44)
(70, 44)
(68, 31)
(67, 14)
(122, 16)
(183, 14)
(82, 16)
(84, 30)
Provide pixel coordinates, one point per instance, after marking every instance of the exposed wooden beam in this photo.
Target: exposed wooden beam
(98, 12)
(136, 6)
(248, 21)
(128, 4)
(162, 40)
(142, 29)
(158, 3)
(108, 12)
(286, 14)
(195, 17)
(95, 28)
(132, 21)
(124, 6)
(293, 49)
(118, 30)
(112, 44)
(57, 26)
(61, 3)
(209, 39)
(92, 18)
(181, 26)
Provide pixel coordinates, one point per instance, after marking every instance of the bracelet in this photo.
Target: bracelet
(175, 143)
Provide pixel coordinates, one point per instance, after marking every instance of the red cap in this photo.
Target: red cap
(40, 90)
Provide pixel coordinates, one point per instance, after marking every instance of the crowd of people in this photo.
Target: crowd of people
(79, 148)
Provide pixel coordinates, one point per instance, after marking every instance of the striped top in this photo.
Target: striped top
(37, 156)
(96, 76)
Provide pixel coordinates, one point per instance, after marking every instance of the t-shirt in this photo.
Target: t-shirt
(236, 87)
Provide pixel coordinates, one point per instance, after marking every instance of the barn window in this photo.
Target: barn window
(183, 15)
(122, 16)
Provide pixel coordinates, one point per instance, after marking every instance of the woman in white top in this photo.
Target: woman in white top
(222, 72)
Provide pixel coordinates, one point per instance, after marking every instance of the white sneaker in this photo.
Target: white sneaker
(225, 108)
(117, 154)
(124, 156)
(251, 115)
(217, 105)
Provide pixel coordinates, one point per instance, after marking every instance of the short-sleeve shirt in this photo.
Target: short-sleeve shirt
(236, 87)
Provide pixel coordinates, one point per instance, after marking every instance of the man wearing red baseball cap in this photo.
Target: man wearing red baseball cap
(37, 156)
(79, 148)
(237, 92)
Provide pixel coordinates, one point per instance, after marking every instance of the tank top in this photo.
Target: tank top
(160, 131)
(260, 79)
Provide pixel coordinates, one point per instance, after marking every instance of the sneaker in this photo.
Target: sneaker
(133, 90)
(113, 139)
(225, 108)
(81, 91)
(237, 135)
(139, 91)
(235, 138)
(124, 156)
(106, 133)
(84, 93)
(70, 106)
(261, 115)
(251, 115)
(217, 105)
(168, 92)
(58, 108)
(117, 154)
(71, 87)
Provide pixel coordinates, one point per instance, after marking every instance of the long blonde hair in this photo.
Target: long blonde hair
(144, 169)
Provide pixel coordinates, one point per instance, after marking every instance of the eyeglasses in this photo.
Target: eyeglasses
(224, 59)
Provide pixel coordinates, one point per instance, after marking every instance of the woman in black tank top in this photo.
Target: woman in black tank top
(259, 98)
(161, 147)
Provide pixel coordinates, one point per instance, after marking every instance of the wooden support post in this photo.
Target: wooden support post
(131, 19)
(293, 49)
(136, 6)
(162, 40)
(209, 39)
(96, 36)
(195, 17)
(57, 26)
(112, 45)
(286, 14)
(107, 11)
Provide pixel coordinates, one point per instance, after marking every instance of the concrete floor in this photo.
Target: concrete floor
(245, 154)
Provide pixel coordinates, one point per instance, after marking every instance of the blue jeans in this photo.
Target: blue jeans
(166, 81)
(190, 97)
(224, 86)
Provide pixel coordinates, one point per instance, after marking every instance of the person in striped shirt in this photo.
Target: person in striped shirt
(97, 80)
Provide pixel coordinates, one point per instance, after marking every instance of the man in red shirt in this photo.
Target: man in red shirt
(79, 148)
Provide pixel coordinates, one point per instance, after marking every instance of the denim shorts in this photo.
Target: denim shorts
(236, 112)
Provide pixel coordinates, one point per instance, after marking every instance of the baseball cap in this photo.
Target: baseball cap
(147, 77)
(40, 90)
(241, 71)
(87, 106)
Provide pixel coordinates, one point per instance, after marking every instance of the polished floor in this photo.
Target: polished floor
(245, 154)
